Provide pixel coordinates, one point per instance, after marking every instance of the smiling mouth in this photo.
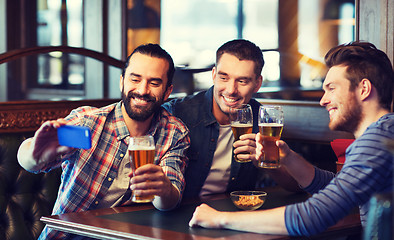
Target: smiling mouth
(331, 111)
(141, 101)
(230, 100)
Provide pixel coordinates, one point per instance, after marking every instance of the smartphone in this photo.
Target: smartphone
(74, 136)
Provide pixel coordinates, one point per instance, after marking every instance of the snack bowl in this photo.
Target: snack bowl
(248, 200)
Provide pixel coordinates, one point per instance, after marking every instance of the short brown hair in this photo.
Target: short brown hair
(154, 50)
(243, 50)
(364, 60)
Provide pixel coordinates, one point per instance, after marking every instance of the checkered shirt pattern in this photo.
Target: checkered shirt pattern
(87, 174)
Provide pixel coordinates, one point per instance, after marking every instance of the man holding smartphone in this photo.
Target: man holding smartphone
(101, 176)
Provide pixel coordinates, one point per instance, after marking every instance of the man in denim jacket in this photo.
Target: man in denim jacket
(212, 168)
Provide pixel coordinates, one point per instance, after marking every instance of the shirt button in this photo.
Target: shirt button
(212, 139)
(121, 155)
(233, 178)
(96, 202)
(109, 179)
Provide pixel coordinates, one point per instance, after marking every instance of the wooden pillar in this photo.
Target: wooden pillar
(288, 45)
(328, 27)
(375, 24)
(143, 23)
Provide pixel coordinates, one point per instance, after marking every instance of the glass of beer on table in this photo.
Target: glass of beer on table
(270, 126)
(241, 120)
(141, 152)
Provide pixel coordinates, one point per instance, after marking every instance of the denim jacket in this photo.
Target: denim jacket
(196, 112)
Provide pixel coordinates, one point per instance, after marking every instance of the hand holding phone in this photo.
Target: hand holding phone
(74, 136)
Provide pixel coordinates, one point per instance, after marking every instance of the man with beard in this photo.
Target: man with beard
(101, 177)
(358, 96)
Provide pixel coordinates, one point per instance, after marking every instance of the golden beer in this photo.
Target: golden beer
(238, 130)
(271, 133)
(140, 156)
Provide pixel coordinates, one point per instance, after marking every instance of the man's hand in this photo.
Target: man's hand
(150, 179)
(300, 170)
(284, 150)
(245, 148)
(271, 221)
(45, 146)
(205, 216)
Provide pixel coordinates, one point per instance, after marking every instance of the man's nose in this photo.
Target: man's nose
(324, 101)
(232, 87)
(143, 87)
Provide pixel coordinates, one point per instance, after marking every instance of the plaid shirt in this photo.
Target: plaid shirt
(87, 174)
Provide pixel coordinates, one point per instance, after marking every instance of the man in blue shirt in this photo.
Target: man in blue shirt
(212, 168)
(358, 96)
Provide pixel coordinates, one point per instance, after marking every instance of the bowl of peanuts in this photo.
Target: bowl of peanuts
(248, 200)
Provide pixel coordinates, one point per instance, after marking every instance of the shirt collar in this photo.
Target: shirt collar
(207, 115)
(155, 122)
(120, 126)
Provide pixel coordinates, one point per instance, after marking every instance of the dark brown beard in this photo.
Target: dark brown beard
(351, 118)
(141, 113)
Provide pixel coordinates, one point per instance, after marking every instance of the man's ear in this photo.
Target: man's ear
(168, 92)
(121, 83)
(365, 87)
(213, 74)
(258, 84)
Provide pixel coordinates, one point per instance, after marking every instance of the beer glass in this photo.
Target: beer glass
(141, 152)
(241, 120)
(270, 127)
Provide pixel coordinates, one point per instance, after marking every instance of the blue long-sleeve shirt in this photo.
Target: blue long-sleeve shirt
(368, 170)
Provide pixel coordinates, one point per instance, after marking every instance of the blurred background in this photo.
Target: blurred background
(293, 35)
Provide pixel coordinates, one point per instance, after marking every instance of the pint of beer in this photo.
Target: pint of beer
(238, 130)
(241, 119)
(271, 127)
(141, 152)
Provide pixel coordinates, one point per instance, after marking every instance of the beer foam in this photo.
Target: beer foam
(237, 124)
(136, 147)
(270, 124)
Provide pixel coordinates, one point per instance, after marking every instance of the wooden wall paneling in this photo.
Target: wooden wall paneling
(23, 116)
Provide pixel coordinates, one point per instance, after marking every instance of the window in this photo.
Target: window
(59, 22)
(191, 31)
(91, 72)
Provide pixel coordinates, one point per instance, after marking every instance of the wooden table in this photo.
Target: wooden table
(142, 221)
